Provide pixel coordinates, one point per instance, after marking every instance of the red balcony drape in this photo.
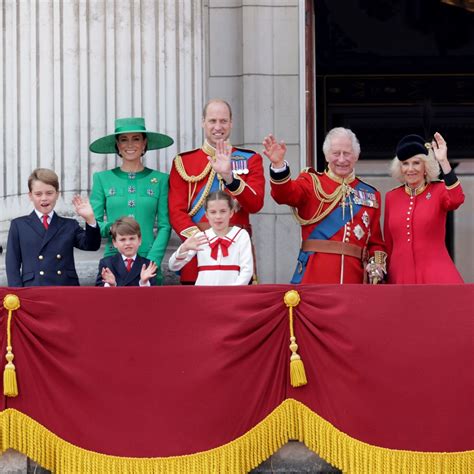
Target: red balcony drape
(174, 371)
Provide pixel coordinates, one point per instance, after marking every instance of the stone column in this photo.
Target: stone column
(69, 68)
(254, 63)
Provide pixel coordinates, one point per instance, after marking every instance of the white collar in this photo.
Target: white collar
(126, 258)
(41, 214)
(211, 235)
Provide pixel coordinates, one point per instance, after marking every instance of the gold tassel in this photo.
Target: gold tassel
(10, 387)
(297, 372)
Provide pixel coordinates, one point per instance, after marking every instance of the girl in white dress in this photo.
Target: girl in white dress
(224, 253)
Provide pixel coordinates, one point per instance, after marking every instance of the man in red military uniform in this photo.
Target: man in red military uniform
(339, 214)
(216, 165)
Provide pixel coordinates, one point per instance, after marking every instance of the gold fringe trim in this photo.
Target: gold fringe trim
(290, 420)
(10, 387)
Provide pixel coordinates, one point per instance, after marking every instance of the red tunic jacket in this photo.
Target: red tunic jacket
(415, 228)
(363, 230)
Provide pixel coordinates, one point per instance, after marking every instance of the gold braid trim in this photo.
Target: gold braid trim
(204, 194)
(290, 420)
(380, 257)
(178, 163)
(455, 185)
(334, 199)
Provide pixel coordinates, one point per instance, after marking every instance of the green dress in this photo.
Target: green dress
(144, 196)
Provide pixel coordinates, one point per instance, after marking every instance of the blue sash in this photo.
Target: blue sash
(327, 229)
(200, 213)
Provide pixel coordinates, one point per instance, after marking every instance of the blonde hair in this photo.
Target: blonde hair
(432, 168)
(44, 175)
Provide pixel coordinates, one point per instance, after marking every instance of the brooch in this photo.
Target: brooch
(428, 196)
(153, 180)
(365, 219)
(359, 232)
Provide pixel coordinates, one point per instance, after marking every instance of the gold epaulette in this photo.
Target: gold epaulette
(367, 184)
(310, 170)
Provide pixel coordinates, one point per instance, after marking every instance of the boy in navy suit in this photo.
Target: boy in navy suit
(40, 248)
(126, 268)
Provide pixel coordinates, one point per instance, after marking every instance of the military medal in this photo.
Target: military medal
(365, 198)
(239, 165)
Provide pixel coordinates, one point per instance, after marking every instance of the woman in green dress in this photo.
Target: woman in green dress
(133, 189)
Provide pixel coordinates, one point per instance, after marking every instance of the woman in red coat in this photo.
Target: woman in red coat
(415, 213)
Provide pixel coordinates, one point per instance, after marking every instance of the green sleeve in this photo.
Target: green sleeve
(158, 248)
(98, 203)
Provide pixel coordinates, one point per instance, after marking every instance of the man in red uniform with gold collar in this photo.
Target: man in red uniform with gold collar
(339, 214)
(216, 165)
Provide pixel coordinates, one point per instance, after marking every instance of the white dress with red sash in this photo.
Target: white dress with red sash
(222, 261)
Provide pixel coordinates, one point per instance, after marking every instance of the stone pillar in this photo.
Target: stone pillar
(68, 69)
(254, 64)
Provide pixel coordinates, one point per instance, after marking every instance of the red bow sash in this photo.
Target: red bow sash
(224, 244)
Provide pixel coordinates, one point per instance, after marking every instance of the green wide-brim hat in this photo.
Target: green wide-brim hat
(106, 144)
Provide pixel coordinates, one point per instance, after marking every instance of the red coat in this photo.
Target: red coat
(415, 228)
(247, 189)
(363, 230)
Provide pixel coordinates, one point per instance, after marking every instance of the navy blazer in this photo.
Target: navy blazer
(39, 257)
(116, 265)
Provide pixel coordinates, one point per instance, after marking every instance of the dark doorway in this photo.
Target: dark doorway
(386, 68)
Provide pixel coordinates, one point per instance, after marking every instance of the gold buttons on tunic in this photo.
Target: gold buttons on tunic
(41, 272)
(58, 256)
(59, 272)
(40, 257)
